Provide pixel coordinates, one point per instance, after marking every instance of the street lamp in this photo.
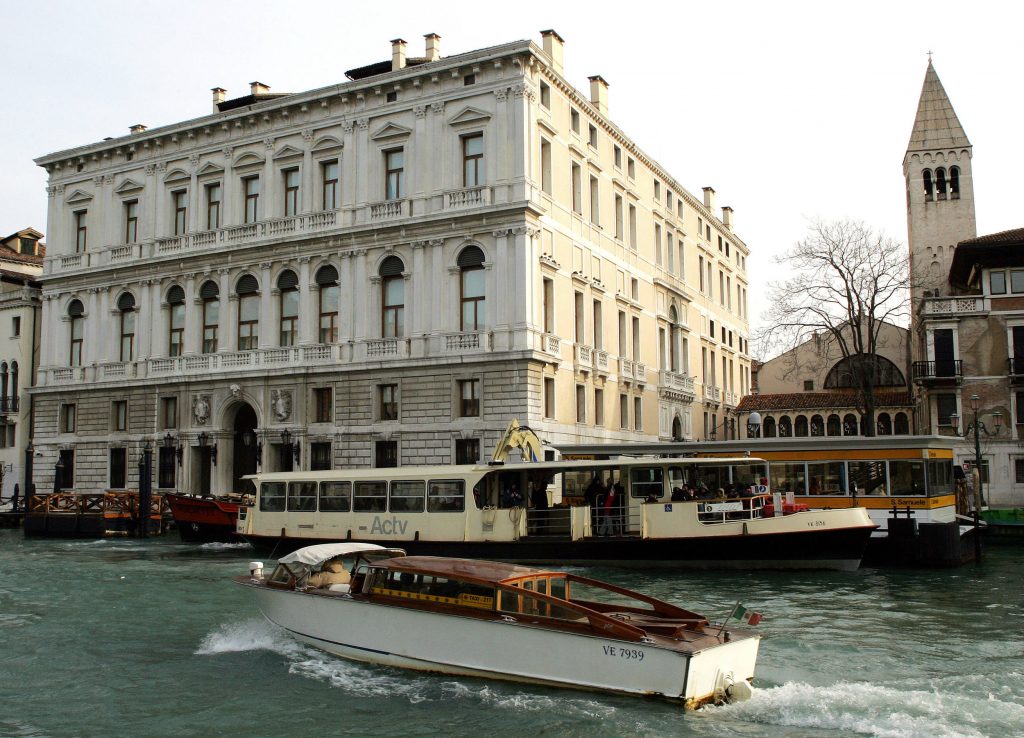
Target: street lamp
(249, 439)
(293, 445)
(977, 427)
(203, 439)
(754, 424)
(172, 442)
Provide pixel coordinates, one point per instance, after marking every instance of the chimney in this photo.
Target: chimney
(138, 128)
(258, 88)
(433, 47)
(599, 93)
(727, 216)
(553, 45)
(709, 198)
(219, 95)
(397, 54)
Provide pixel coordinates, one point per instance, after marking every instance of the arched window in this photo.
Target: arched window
(845, 373)
(14, 379)
(126, 304)
(288, 286)
(472, 294)
(176, 320)
(817, 425)
(940, 182)
(392, 298)
(248, 313)
(327, 279)
(954, 183)
(801, 426)
(785, 427)
(902, 425)
(849, 425)
(929, 189)
(673, 339)
(768, 427)
(77, 315)
(209, 293)
(3, 381)
(835, 428)
(884, 423)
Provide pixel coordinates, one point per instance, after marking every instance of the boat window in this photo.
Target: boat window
(868, 477)
(907, 477)
(302, 496)
(558, 588)
(646, 482)
(272, 497)
(446, 495)
(676, 478)
(370, 496)
(826, 478)
(335, 496)
(940, 477)
(789, 478)
(713, 478)
(407, 496)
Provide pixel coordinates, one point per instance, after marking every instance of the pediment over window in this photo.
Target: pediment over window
(248, 159)
(288, 152)
(327, 143)
(176, 175)
(129, 186)
(391, 130)
(210, 169)
(78, 196)
(469, 115)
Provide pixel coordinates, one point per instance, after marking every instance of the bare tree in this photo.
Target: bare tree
(846, 283)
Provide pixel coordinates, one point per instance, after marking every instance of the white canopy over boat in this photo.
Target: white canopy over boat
(318, 554)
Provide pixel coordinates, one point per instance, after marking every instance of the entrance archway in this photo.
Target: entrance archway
(677, 430)
(245, 449)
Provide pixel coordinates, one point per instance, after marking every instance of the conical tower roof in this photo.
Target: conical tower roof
(936, 125)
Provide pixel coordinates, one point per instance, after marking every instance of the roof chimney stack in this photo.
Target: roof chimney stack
(709, 198)
(258, 88)
(727, 216)
(599, 93)
(397, 54)
(433, 47)
(138, 128)
(553, 46)
(219, 95)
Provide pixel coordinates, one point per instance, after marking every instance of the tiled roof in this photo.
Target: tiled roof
(1012, 236)
(821, 400)
(1003, 249)
(936, 125)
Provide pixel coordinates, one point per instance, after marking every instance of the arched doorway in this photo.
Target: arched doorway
(677, 429)
(245, 449)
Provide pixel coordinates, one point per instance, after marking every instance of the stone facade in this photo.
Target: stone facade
(444, 243)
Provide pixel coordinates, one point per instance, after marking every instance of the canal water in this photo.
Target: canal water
(130, 638)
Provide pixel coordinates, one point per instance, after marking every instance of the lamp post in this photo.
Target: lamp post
(293, 446)
(976, 428)
(204, 439)
(754, 424)
(172, 442)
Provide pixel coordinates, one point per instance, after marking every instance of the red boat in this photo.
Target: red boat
(206, 519)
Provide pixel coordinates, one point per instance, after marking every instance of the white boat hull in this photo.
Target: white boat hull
(505, 649)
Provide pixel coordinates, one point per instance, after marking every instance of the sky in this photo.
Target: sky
(791, 111)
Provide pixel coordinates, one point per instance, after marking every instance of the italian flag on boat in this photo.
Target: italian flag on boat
(748, 616)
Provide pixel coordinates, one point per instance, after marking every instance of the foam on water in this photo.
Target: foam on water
(220, 546)
(881, 711)
(255, 634)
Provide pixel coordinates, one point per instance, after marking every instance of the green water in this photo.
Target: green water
(129, 638)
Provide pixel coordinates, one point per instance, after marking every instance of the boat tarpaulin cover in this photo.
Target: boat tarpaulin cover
(313, 555)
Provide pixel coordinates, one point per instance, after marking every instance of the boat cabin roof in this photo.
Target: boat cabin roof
(318, 554)
(486, 571)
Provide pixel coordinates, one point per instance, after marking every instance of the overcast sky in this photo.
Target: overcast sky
(789, 110)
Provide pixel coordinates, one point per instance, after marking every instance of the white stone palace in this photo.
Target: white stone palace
(383, 271)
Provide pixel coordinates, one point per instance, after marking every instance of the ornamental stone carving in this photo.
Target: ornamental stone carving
(501, 94)
(201, 409)
(281, 403)
(420, 111)
(346, 126)
(236, 390)
(363, 123)
(228, 151)
(307, 135)
(437, 107)
(194, 160)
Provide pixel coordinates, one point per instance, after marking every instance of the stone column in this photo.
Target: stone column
(309, 316)
(362, 296)
(421, 318)
(96, 307)
(227, 336)
(229, 194)
(271, 207)
(146, 319)
(499, 298)
(193, 196)
(308, 201)
(269, 328)
(193, 318)
(158, 200)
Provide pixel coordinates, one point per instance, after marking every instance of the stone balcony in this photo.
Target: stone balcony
(676, 382)
(712, 393)
(949, 306)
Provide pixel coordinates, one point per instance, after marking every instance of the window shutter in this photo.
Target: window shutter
(247, 285)
(392, 267)
(326, 275)
(209, 291)
(176, 295)
(126, 302)
(470, 256)
(288, 280)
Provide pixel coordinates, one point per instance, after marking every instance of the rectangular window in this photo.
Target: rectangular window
(945, 406)
(449, 495)
(545, 95)
(180, 200)
(618, 217)
(595, 202)
(248, 322)
(636, 338)
(808, 385)
(385, 455)
(371, 496)
(1017, 281)
(329, 176)
(1018, 471)
(319, 456)
(545, 166)
(131, 221)
(323, 404)
(388, 394)
(213, 206)
(81, 230)
(578, 330)
(291, 192)
(15, 326)
(598, 326)
(335, 496)
(211, 325)
(576, 175)
(631, 167)
(549, 306)
(549, 397)
(467, 451)
(469, 398)
(657, 190)
(251, 190)
(638, 423)
(166, 468)
(997, 283)
(67, 462)
(394, 174)
(168, 413)
(574, 120)
(632, 226)
(581, 403)
(623, 412)
(592, 139)
(598, 406)
(657, 244)
(119, 415)
(407, 496)
(473, 160)
(618, 156)
(67, 418)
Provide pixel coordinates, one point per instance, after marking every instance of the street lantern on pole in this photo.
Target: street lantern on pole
(976, 428)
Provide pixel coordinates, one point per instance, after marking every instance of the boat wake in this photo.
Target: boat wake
(218, 546)
(250, 635)
(885, 711)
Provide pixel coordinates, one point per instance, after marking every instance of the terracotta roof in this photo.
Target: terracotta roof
(821, 400)
(1012, 236)
(936, 125)
(1003, 249)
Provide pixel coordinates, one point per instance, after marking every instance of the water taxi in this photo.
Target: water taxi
(681, 513)
(501, 621)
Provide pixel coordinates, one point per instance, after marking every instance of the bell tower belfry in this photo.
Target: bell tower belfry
(940, 191)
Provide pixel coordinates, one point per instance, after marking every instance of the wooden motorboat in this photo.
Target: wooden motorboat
(502, 621)
(206, 519)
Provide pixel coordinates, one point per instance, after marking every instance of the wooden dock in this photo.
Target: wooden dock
(93, 515)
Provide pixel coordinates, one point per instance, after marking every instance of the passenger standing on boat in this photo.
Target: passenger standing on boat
(608, 512)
